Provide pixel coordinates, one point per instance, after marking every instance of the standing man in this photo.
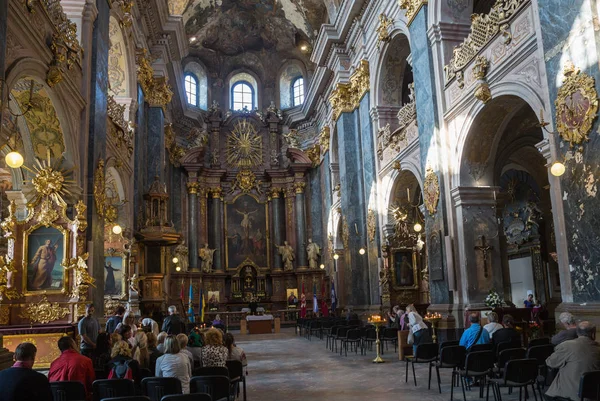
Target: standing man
(21, 382)
(113, 321)
(573, 358)
(173, 324)
(88, 327)
(71, 366)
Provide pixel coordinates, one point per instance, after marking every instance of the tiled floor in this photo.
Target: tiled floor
(286, 367)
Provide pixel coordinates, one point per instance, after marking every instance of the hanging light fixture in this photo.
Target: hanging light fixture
(177, 268)
(557, 169)
(175, 259)
(417, 227)
(322, 266)
(361, 251)
(13, 159)
(336, 256)
(117, 229)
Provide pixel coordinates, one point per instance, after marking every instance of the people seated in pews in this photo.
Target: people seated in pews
(570, 331)
(235, 352)
(122, 365)
(129, 320)
(21, 382)
(183, 343)
(475, 334)
(113, 321)
(72, 366)
(140, 351)
(508, 334)
(173, 324)
(174, 364)
(419, 329)
(572, 358)
(101, 354)
(160, 341)
(218, 323)
(214, 352)
(195, 345)
(153, 351)
(493, 325)
(89, 328)
(126, 334)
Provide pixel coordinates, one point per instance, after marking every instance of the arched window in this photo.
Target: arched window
(191, 89)
(242, 96)
(298, 91)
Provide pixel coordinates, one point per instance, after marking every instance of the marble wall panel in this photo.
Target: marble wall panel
(156, 144)
(140, 158)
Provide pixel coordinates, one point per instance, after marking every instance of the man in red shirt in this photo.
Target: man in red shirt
(72, 366)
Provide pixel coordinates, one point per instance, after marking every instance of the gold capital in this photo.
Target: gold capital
(299, 186)
(193, 187)
(217, 192)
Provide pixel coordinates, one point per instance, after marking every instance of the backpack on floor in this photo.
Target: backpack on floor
(121, 370)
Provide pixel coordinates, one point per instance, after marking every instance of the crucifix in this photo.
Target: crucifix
(484, 248)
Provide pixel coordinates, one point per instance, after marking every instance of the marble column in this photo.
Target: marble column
(97, 146)
(216, 229)
(156, 144)
(278, 225)
(192, 245)
(480, 266)
(301, 240)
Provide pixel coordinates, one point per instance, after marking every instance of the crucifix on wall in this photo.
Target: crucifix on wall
(485, 248)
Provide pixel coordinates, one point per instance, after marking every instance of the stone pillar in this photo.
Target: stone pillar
(480, 267)
(301, 257)
(216, 229)
(192, 187)
(96, 149)
(278, 225)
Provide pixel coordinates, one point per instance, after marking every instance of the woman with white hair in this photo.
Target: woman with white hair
(570, 332)
(493, 325)
(151, 324)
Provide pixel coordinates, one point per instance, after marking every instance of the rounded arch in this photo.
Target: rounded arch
(394, 72)
(198, 70)
(289, 72)
(118, 64)
(507, 99)
(399, 178)
(247, 76)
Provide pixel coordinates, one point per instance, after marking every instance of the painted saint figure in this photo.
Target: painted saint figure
(313, 251)
(287, 255)
(110, 286)
(207, 256)
(43, 264)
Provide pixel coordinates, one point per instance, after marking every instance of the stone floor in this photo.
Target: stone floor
(288, 367)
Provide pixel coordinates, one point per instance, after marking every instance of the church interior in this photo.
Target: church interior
(305, 160)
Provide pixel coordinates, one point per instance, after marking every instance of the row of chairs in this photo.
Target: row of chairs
(157, 387)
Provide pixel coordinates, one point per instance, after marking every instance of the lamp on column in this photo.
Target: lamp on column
(13, 159)
(117, 229)
(557, 168)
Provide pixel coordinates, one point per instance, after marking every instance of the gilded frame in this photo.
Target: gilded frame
(267, 234)
(63, 263)
(124, 276)
(395, 253)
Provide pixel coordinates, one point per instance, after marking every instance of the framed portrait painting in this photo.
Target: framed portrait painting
(44, 259)
(292, 297)
(404, 268)
(114, 276)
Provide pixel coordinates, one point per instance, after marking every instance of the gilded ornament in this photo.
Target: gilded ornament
(176, 152)
(480, 69)
(83, 280)
(217, 192)
(103, 206)
(408, 113)
(245, 181)
(346, 97)
(291, 139)
(7, 269)
(345, 232)
(244, 146)
(9, 224)
(80, 218)
(412, 8)
(192, 187)
(47, 213)
(156, 89)
(274, 192)
(431, 191)
(383, 35)
(4, 314)
(50, 182)
(324, 137)
(299, 187)
(483, 92)
(314, 154)
(576, 106)
(371, 225)
(484, 28)
(44, 312)
(116, 112)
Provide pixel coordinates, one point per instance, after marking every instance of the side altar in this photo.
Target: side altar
(247, 234)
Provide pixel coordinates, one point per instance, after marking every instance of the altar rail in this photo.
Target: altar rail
(231, 320)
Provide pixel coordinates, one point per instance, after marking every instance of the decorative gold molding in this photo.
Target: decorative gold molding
(324, 137)
(371, 224)
(192, 187)
(156, 90)
(431, 191)
(346, 97)
(412, 8)
(299, 187)
(244, 146)
(314, 154)
(274, 192)
(480, 69)
(103, 206)
(217, 192)
(345, 233)
(83, 280)
(176, 152)
(484, 27)
(44, 312)
(116, 112)
(245, 181)
(576, 105)
(7, 269)
(383, 35)
(80, 218)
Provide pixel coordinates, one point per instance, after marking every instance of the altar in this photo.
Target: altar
(261, 324)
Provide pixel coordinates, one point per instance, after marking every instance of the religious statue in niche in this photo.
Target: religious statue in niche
(207, 256)
(287, 255)
(314, 251)
(134, 288)
(521, 214)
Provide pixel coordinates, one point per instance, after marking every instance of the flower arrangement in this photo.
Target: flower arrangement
(534, 330)
(493, 300)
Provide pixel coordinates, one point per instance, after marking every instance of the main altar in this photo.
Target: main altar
(246, 233)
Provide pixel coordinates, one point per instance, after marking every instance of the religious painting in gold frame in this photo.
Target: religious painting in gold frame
(246, 232)
(404, 268)
(292, 297)
(115, 275)
(45, 255)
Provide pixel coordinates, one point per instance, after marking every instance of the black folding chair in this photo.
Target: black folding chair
(448, 344)
(128, 398)
(68, 391)
(157, 387)
(329, 337)
(517, 373)
(369, 340)
(211, 371)
(426, 353)
(352, 337)
(110, 388)
(340, 336)
(505, 345)
(188, 397)
(508, 355)
(451, 357)
(538, 341)
(236, 375)
(480, 347)
(478, 365)
(216, 386)
(589, 385)
(541, 353)
(390, 335)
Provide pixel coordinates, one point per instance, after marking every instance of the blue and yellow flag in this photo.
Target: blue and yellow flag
(191, 307)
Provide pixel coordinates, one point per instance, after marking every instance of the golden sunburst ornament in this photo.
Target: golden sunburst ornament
(50, 180)
(244, 146)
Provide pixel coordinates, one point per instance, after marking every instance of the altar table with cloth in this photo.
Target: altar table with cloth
(259, 324)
